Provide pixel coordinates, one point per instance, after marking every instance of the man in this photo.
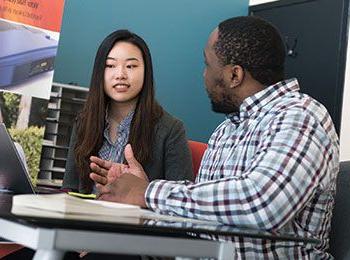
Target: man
(271, 165)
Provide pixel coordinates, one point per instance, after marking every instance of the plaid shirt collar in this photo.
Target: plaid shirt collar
(260, 99)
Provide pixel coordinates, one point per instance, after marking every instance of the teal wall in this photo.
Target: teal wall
(176, 32)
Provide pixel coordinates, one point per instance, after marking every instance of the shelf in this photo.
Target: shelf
(63, 111)
(56, 146)
(65, 102)
(47, 142)
(55, 134)
(50, 183)
(54, 158)
(54, 169)
(51, 120)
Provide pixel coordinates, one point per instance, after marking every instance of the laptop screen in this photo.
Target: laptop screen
(14, 177)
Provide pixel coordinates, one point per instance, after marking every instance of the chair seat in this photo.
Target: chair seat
(340, 230)
(8, 248)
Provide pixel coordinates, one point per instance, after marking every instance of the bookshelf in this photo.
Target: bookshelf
(65, 103)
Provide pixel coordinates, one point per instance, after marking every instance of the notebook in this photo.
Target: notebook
(67, 204)
(14, 177)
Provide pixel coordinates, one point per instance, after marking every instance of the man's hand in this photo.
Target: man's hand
(127, 188)
(104, 172)
(118, 182)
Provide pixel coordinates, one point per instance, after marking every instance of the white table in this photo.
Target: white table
(52, 237)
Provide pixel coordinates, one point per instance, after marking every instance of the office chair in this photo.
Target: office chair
(197, 151)
(8, 248)
(340, 230)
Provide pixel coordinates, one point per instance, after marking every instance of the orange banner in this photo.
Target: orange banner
(46, 14)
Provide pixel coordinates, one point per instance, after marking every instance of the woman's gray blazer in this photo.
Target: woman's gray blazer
(171, 158)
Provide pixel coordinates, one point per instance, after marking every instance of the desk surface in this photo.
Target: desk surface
(139, 226)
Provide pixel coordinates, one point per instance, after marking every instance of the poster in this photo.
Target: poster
(29, 35)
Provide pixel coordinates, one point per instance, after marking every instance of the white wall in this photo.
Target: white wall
(345, 122)
(256, 2)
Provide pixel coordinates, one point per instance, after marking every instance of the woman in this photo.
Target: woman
(121, 109)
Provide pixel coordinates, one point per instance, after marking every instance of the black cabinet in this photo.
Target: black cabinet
(315, 34)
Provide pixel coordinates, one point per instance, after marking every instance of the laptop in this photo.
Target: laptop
(14, 177)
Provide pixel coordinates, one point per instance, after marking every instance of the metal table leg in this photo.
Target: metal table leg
(42, 254)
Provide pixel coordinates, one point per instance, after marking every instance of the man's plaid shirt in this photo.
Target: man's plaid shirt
(272, 166)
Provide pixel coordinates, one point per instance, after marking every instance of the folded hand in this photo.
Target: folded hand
(119, 182)
(104, 172)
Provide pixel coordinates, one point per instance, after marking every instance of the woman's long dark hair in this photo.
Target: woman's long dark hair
(91, 121)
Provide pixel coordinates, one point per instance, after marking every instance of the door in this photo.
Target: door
(315, 35)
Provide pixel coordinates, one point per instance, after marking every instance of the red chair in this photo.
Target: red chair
(197, 150)
(8, 248)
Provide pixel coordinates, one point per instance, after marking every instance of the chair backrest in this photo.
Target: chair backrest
(8, 248)
(340, 227)
(197, 150)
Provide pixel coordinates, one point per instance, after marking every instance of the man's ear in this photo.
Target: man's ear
(233, 75)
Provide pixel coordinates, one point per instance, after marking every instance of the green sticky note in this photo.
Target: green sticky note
(83, 196)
